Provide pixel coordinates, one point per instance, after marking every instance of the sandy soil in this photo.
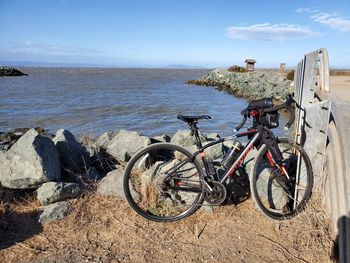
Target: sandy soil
(105, 229)
(340, 86)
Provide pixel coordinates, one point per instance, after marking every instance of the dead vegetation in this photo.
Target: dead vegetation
(339, 72)
(105, 229)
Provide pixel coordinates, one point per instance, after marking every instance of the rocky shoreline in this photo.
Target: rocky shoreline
(251, 85)
(58, 167)
(9, 71)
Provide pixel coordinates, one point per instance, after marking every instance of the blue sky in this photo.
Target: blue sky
(159, 33)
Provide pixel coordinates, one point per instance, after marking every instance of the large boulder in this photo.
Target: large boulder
(53, 192)
(184, 138)
(112, 184)
(161, 138)
(73, 155)
(104, 139)
(31, 161)
(54, 212)
(125, 143)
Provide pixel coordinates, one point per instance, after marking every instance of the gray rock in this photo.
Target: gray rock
(161, 138)
(257, 84)
(112, 185)
(31, 161)
(73, 155)
(54, 212)
(213, 152)
(104, 139)
(212, 136)
(125, 143)
(184, 138)
(53, 192)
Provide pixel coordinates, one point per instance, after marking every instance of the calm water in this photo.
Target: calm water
(95, 100)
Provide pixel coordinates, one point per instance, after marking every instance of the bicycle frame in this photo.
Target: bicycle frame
(255, 133)
(239, 160)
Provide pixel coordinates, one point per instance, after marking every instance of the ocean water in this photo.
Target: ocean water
(94, 100)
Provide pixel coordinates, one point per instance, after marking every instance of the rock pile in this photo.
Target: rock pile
(59, 167)
(9, 71)
(252, 85)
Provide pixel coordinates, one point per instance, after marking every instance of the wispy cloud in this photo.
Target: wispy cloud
(332, 20)
(53, 49)
(269, 32)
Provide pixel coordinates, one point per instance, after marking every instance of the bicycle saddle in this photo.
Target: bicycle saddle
(193, 118)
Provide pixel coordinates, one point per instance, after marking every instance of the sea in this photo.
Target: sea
(90, 101)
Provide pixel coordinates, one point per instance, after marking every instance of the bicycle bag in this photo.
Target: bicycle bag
(260, 104)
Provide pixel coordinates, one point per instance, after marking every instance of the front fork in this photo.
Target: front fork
(273, 164)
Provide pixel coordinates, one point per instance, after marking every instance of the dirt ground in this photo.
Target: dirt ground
(340, 86)
(105, 229)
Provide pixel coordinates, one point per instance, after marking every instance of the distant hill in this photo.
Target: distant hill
(182, 66)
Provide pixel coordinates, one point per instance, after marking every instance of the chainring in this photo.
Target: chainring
(217, 195)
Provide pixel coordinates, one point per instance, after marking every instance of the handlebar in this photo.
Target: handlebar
(286, 105)
(241, 124)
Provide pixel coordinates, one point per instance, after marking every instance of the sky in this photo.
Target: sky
(157, 33)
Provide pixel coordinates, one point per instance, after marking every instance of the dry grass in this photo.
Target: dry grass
(105, 229)
(339, 72)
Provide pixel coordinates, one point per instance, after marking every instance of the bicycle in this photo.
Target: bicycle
(165, 182)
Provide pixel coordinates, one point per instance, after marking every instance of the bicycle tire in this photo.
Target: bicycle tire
(152, 150)
(259, 196)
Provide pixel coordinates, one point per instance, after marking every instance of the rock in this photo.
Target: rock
(161, 138)
(212, 136)
(53, 192)
(7, 139)
(54, 212)
(253, 85)
(104, 139)
(183, 138)
(9, 71)
(112, 184)
(213, 152)
(73, 155)
(126, 143)
(31, 161)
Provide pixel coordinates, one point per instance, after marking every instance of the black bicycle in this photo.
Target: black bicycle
(165, 182)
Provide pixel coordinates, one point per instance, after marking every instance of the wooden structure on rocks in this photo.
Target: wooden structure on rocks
(249, 64)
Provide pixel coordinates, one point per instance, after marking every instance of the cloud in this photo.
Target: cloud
(53, 49)
(269, 32)
(332, 20)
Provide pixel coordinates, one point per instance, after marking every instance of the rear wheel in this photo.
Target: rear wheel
(163, 182)
(276, 195)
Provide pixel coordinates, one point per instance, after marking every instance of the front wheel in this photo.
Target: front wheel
(278, 194)
(163, 182)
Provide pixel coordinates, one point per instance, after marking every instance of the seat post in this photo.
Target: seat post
(194, 131)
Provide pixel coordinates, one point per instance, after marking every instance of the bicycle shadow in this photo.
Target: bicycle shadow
(237, 187)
